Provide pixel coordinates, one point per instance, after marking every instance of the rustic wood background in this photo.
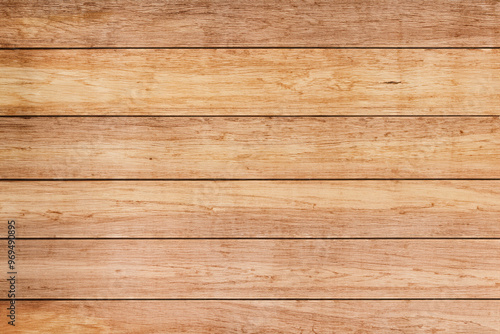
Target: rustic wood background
(251, 166)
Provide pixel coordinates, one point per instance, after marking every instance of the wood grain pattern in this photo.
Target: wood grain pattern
(257, 268)
(249, 82)
(285, 317)
(155, 23)
(235, 209)
(352, 214)
(311, 147)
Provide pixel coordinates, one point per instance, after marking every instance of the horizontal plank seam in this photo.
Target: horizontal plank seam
(254, 238)
(241, 179)
(258, 48)
(240, 299)
(255, 116)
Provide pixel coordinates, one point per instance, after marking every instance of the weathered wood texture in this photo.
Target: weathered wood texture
(156, 23)
(245, 252)
(249, 82)
(284, 317)
(194, 209)
(257, 268)
(387, 147)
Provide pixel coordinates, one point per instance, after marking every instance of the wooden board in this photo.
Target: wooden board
(207, 317)
(156, 23)
(249, 82)
(311, 147)
(232, 166)
(249, 209)
(256, 268)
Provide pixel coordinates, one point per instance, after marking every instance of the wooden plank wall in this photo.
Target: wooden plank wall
(251, 166)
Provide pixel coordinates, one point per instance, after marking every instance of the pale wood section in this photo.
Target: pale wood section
(156, 23)
(261, 147)
(285, 317)
(257, 268)
(193, 209)
(249, 82)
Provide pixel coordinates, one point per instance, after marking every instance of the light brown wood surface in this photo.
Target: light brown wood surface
(236, 269)
(230, 166)
(307, 317)
(296, 23)
(249, 82)
(262, 147)
(248, 209)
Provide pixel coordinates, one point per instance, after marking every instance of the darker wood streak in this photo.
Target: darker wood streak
(239, 23)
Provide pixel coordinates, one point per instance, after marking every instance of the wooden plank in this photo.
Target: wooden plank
(310, 147)
(204, 317)
(155, 23)
(249, 82)
(283, 209)
(201, 268)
